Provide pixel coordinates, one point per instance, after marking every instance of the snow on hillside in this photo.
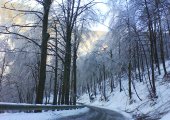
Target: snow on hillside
(50, 115)
(166, 117)
(119, 100)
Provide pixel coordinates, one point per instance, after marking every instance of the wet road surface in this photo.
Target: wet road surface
(96, 114)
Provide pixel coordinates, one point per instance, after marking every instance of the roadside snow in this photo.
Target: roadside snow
(166, 117)
(50, 115)
(111, 105)
(119, 101)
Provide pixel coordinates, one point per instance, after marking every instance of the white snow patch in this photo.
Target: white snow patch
(166, 117)
(119, 101)
(50, 115)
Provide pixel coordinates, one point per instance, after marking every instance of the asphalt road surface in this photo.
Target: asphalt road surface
(97, 114)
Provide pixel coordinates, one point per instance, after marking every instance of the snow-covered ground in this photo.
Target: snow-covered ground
(50, 115)
(119, 101)
(166, 117)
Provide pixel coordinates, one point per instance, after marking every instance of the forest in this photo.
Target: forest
(50, 54)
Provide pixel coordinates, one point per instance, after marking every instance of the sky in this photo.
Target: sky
(101, 29)
(102, 26)
(103, 8)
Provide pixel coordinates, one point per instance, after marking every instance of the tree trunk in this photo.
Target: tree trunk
(74, 74)
(56, 73)
(45, 37)
(104, 82)
(67, 65)
(161, 38)
(138, 62)
(155, 47)
(152, 50)
(130, 80)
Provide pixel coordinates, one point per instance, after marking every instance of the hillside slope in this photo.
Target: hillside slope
(146, 108)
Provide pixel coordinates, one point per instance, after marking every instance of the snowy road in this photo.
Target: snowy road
(97, 114)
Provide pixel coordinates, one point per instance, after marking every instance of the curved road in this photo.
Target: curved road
(97, 114)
